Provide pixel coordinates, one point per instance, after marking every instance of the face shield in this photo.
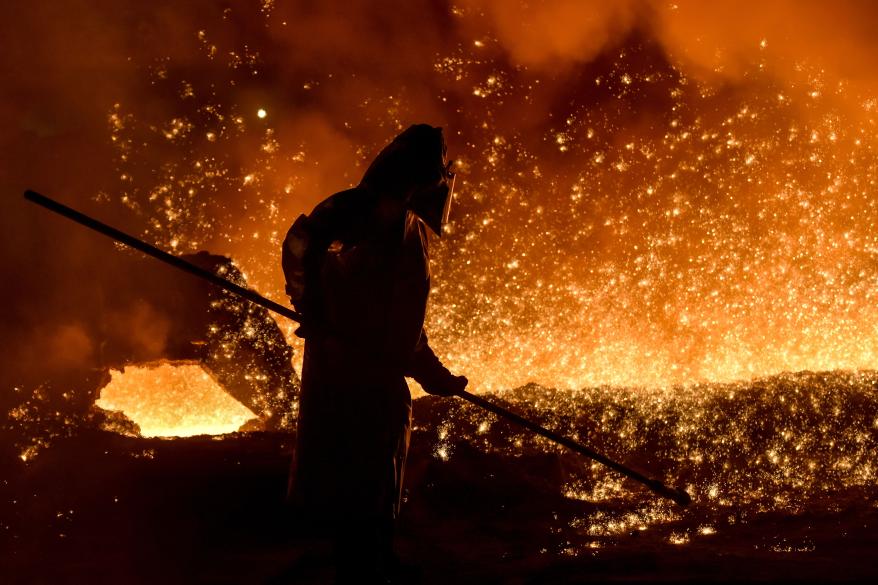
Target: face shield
(433, 203)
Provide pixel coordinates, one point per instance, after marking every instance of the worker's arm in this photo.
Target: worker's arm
(429, 372)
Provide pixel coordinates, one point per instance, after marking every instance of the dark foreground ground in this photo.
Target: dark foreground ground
(104, 508)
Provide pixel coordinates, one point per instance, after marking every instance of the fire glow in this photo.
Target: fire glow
(179, 400)
(625, 217)
(632, 211)
(731, 235)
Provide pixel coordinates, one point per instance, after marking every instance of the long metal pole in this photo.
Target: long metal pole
(677, 495)
(151, 250)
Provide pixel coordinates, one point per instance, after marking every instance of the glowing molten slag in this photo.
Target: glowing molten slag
(173, 400)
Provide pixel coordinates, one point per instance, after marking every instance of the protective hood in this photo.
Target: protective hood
(414, 165)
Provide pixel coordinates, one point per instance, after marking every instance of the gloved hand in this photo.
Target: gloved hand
(448, 385)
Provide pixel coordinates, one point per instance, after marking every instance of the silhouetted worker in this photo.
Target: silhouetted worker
(357, 269)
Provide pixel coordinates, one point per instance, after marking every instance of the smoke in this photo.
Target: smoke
(579, 226)
(715, 41)
(142, 326)
(556, 34)
(725, 38)
(69, 346)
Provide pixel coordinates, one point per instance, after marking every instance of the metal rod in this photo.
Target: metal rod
(677, 495)
(151, 250)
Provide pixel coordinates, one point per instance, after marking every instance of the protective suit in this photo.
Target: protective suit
(357, 268)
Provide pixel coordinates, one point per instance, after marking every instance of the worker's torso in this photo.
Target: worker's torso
(374, 298)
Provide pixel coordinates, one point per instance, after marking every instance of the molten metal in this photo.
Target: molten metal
(173, 400)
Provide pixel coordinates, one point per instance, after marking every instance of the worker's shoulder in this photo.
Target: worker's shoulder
(354, 201)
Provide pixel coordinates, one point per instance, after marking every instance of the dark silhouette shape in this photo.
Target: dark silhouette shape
(357, 271)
